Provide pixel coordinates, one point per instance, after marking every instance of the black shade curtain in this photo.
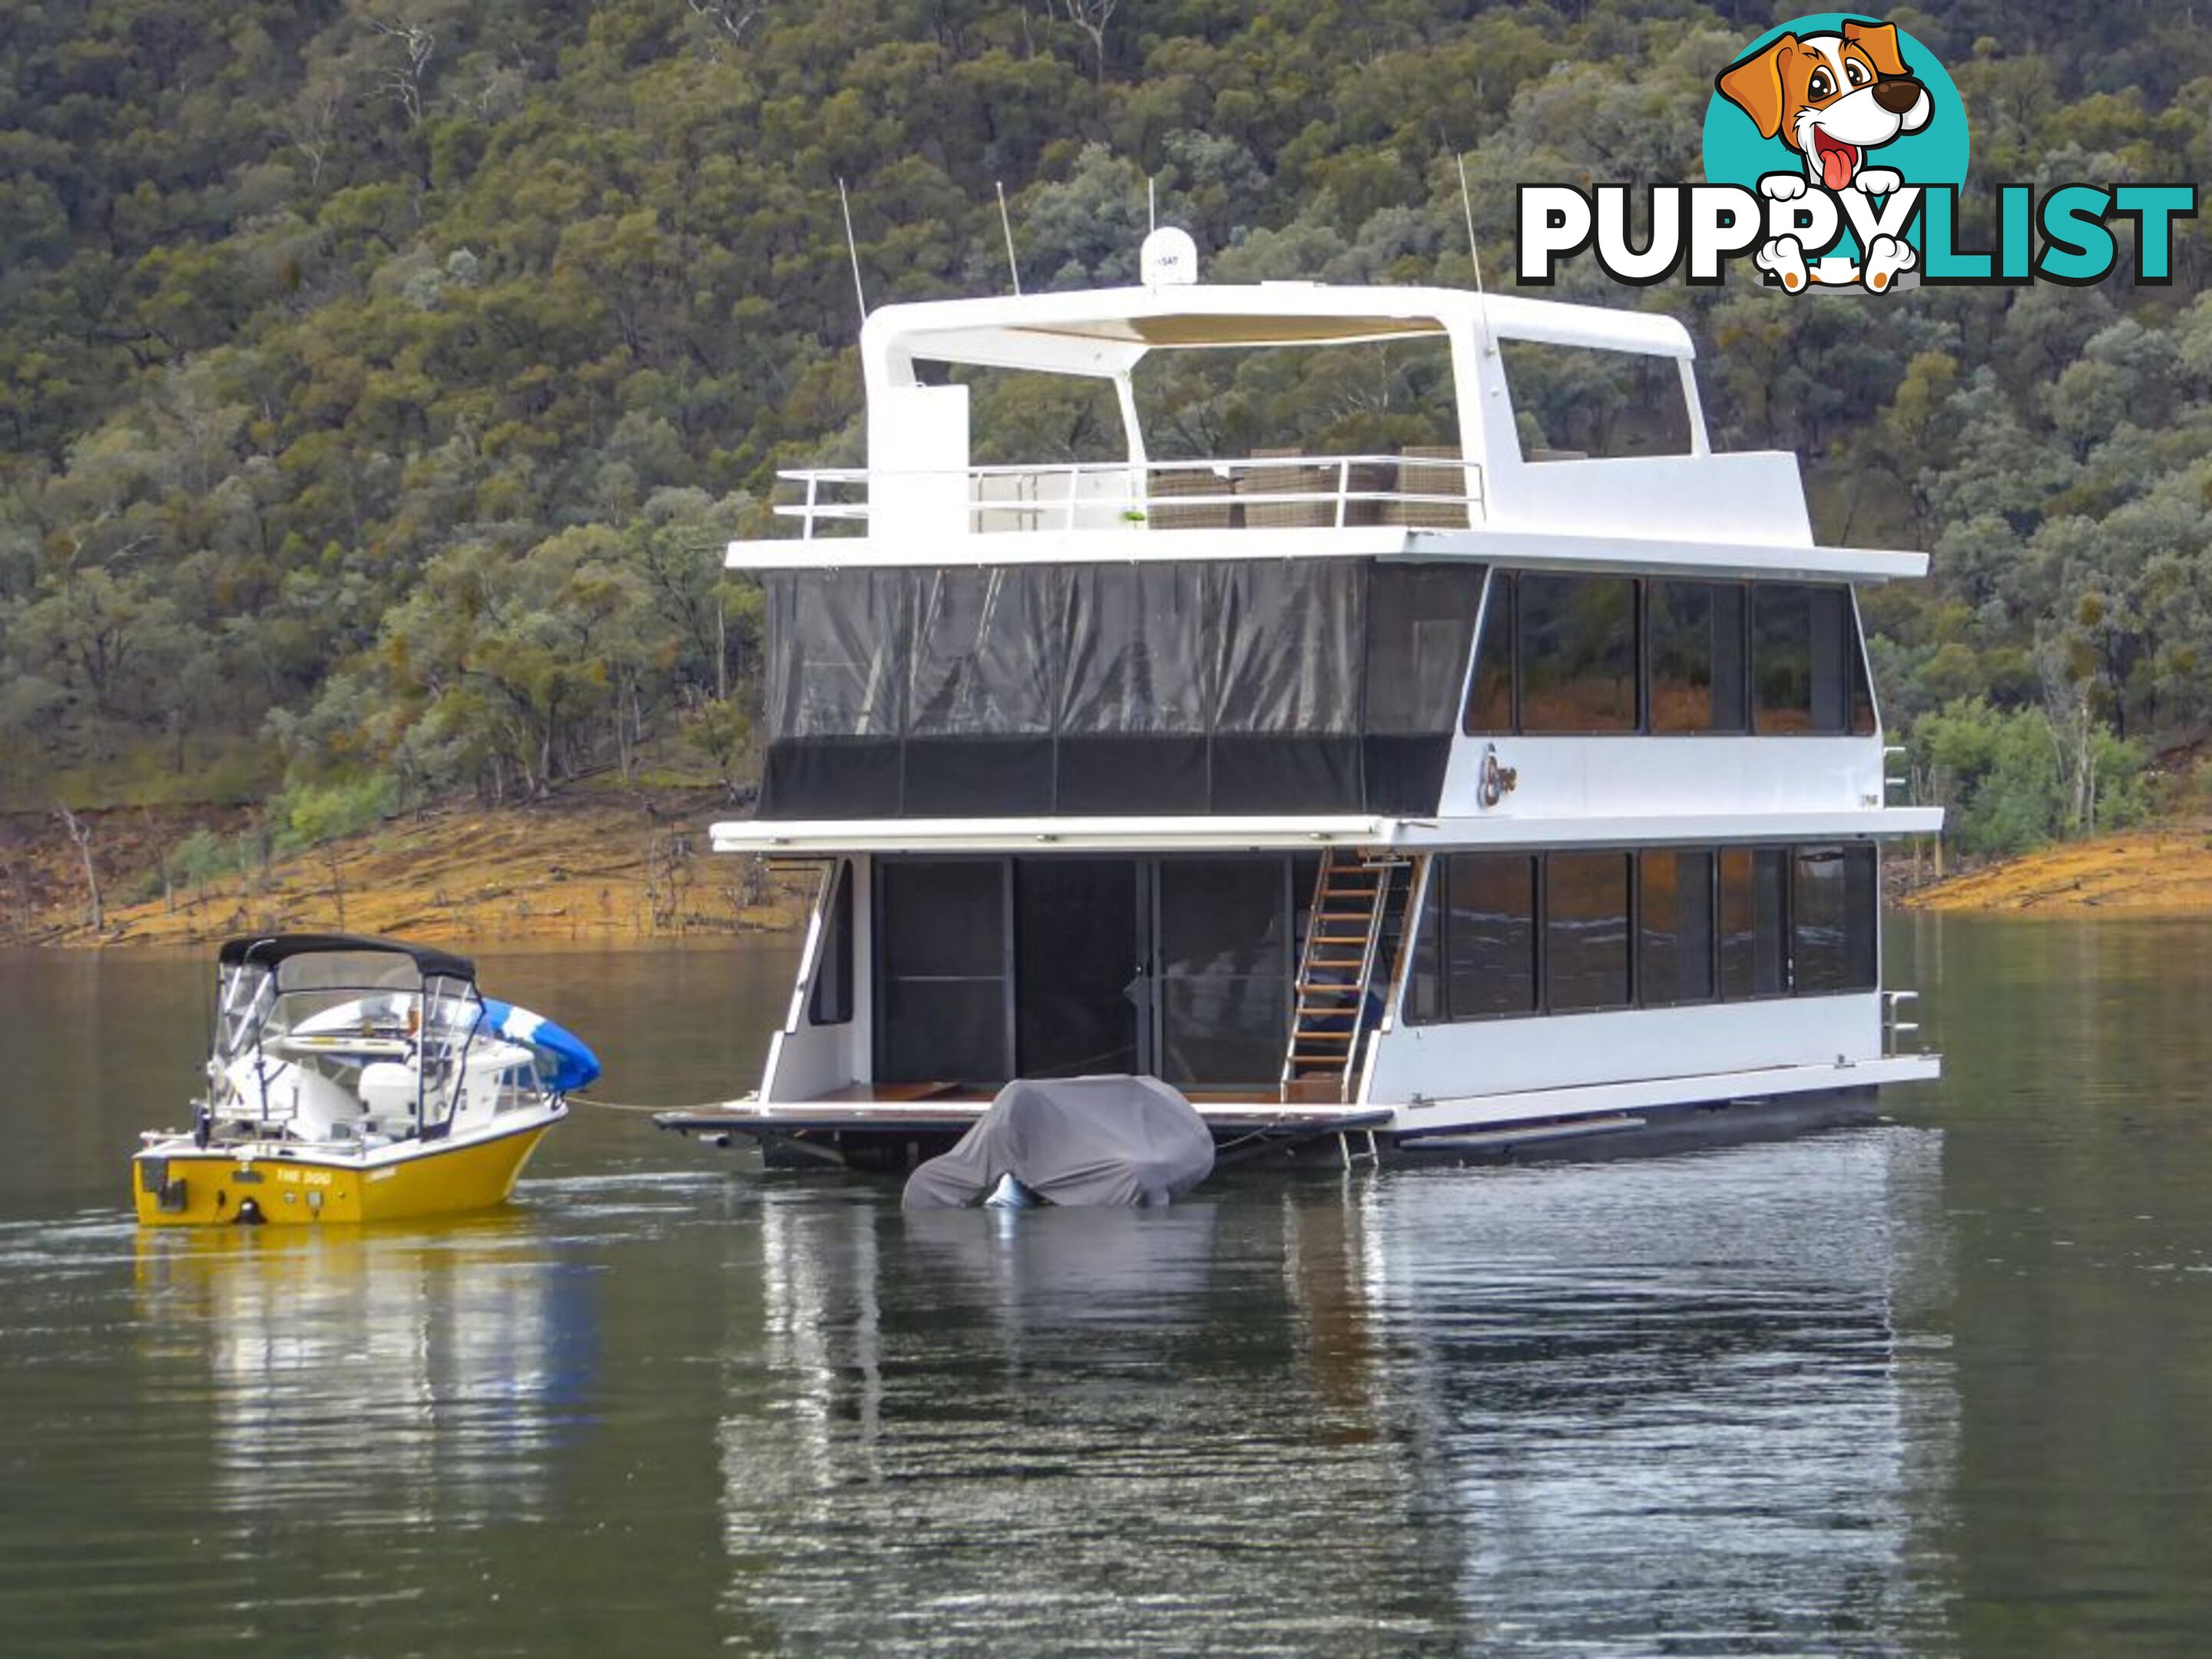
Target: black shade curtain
(1236, 686)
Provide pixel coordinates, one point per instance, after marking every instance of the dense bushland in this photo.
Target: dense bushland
(378, 381)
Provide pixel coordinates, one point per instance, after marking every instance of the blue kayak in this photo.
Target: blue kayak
(564, 1063)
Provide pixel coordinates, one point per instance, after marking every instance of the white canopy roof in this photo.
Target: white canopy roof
(1104, 331)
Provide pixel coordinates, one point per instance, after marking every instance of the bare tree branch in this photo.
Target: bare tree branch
(403, 83)
(729, 18)
(81, 833)
(1092, 16)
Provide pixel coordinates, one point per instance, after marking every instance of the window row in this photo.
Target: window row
(1516, 934)
(1583, 654)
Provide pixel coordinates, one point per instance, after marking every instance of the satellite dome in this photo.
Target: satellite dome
(1169, 257)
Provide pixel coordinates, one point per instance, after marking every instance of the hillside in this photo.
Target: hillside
(2166, 872)
(377, 382)
(586, 871)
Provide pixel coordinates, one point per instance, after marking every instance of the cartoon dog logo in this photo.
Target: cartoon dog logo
(1832, 98)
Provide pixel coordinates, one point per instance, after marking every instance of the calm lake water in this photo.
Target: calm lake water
(1942, 1385)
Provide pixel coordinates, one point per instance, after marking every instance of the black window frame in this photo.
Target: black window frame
(1861, 716)
(882, 873)
(1645, 976)
(1630, 893)
(833, 969)
(1500, 607)
(1638, 718)
(1857, 862)
(1785, 929)
(1432, 925)
(1743, 591)
(1533, 863)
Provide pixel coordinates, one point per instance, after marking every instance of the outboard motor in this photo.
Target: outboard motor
(1011, 1194)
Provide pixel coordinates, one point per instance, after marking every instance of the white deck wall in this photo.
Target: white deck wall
(1504, 1056)
(1635, 777)
(807, 1061)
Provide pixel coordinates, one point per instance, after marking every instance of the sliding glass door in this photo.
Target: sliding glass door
(1079, 979)
(989, 969)
(1225, 957)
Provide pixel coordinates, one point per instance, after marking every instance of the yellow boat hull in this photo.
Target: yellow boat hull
(180, 1185)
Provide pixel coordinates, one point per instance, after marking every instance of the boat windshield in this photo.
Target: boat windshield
(336, 1012)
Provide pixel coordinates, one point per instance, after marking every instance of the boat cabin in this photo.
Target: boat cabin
(1306, 778)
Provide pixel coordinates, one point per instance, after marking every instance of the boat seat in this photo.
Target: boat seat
(310, 1105)
(1215, 514)
(1434, 473)
(387, 1097)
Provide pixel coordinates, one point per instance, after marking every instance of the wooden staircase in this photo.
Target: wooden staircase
(1343, 935)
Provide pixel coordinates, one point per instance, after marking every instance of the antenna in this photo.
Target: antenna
(1152, 205)
(853, 248)
(1007, 225)
(1473, 247)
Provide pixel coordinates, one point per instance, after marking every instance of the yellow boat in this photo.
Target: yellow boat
(356, 1080)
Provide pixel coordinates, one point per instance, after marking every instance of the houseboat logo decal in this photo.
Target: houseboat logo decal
(1836, 153)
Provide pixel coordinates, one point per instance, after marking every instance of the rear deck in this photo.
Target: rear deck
(899, 1122)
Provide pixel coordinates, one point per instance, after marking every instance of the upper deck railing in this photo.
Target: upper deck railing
(1418, 490)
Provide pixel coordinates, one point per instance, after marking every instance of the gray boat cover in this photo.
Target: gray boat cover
(1083, 1141)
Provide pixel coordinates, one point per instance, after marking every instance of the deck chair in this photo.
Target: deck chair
(1422, 472)
(1169, 482)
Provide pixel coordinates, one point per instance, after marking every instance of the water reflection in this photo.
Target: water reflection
(1676, 1398)
(1884, 1392)
(401, 1380)
(1575, 1408)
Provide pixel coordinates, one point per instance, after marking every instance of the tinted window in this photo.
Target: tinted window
(1694, 644)
(1490, 698)
(1225, 965)
(1586, 931)
(1754, 922)
(1831, 627)
(1841, 699)
(1861, 692)
(1674, 907)
(1782, 657)
(1490, 932)
(1808, 672)
(1425, 976)
(832, 1001)
(1578, 653)
(1863, 910)
(1834, 913)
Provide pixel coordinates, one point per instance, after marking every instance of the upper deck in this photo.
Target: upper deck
(1280, 649)
(923, 500)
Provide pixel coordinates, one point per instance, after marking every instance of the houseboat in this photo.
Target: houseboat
(1477, 795)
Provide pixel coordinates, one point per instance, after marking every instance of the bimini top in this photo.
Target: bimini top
(1105, 331)
(270, 949)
